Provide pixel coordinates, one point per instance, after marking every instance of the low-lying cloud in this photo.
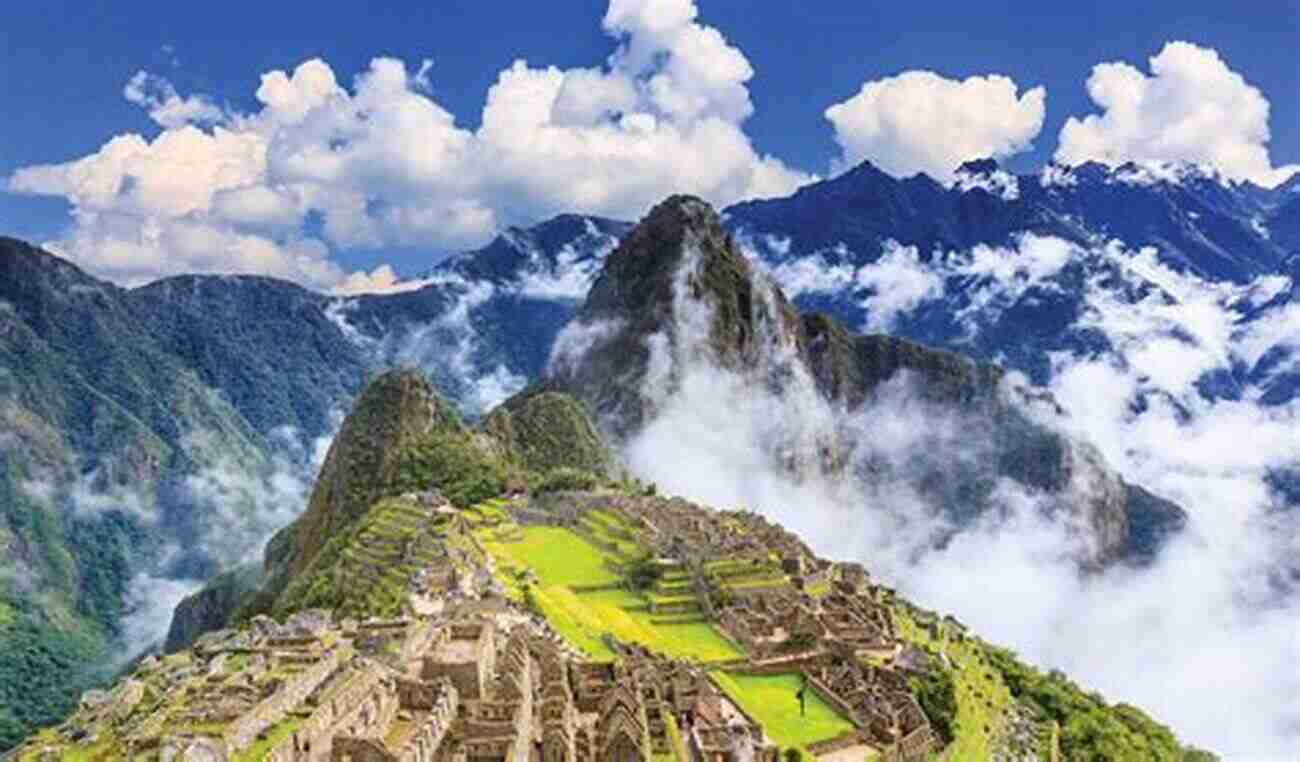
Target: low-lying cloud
(1204, 638)
(217, 517)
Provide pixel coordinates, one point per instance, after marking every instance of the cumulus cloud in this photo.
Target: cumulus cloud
(919, 121)
(1191, 108)
(381, 163)
(165, 106)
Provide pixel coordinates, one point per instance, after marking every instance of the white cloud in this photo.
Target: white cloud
(575, 341)
(1190, 108)
(1000, 183)
(919, 121)
(990, 278)
(381, 280)
(384, 164)
(812, 275)
(165, 105)
(897, 282)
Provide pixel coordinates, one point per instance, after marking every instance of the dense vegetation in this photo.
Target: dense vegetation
(1090, 729)
(543, 431)
(454, 464)
(103, 389)
(43, 668)
(57, 618)
(937, 694)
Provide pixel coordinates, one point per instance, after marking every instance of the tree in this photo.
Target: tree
(643, 572)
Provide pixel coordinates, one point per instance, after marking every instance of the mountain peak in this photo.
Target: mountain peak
(681, 212)
(985, 166)
(637, 280)
(394, 408)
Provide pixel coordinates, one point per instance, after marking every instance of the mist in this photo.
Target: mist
(215, 518)
(1205, 638)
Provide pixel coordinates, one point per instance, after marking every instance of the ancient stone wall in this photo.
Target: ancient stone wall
(838, 743)
(313, 739)
(241, 733)
(359, 750)
(423, 745)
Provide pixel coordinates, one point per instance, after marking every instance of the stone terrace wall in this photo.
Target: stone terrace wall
(242, 732)
(838, 743)
(316, 733)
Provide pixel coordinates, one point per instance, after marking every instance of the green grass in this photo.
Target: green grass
(770, 699)
(270, 738)
(982, 698)
(557, 556)
(488, 512)
(562, 559)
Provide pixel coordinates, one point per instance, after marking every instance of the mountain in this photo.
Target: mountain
(483, 321)
(129, 415)
(153, 437)
(1015, 268)
(678, 298)
(592, 622)
(401, 437)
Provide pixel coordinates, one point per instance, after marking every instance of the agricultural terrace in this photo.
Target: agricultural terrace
(574, 578)
(772, 701)
(982, 697)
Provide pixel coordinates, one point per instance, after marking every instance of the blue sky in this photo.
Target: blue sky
(65, 65)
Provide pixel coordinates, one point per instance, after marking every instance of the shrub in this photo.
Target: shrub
(643, 572)
(567, 480)
(937, 695)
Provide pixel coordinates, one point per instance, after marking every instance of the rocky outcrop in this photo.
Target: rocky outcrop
(212, 607)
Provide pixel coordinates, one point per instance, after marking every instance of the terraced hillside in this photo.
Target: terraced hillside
(586, 625)
(426, 632)
(369, 568)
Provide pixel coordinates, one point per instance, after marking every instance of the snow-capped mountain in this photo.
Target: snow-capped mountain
(1181, 276)
(483, 321)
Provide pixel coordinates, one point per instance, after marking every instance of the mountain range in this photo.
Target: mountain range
(156, 436)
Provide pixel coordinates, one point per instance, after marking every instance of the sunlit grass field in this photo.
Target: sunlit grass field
(563, 560)
(771, 699)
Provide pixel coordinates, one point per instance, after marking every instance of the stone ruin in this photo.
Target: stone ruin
(476, 679)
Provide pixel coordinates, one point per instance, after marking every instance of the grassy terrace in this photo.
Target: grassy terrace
(269, 740)
(557, 556)
(982, 698)
(563, 560)
(771, 700)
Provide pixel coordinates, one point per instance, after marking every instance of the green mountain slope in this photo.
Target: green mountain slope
(610, 580)
(111, 400)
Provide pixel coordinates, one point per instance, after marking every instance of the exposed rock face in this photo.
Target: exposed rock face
(212, 607)
(678, 294)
